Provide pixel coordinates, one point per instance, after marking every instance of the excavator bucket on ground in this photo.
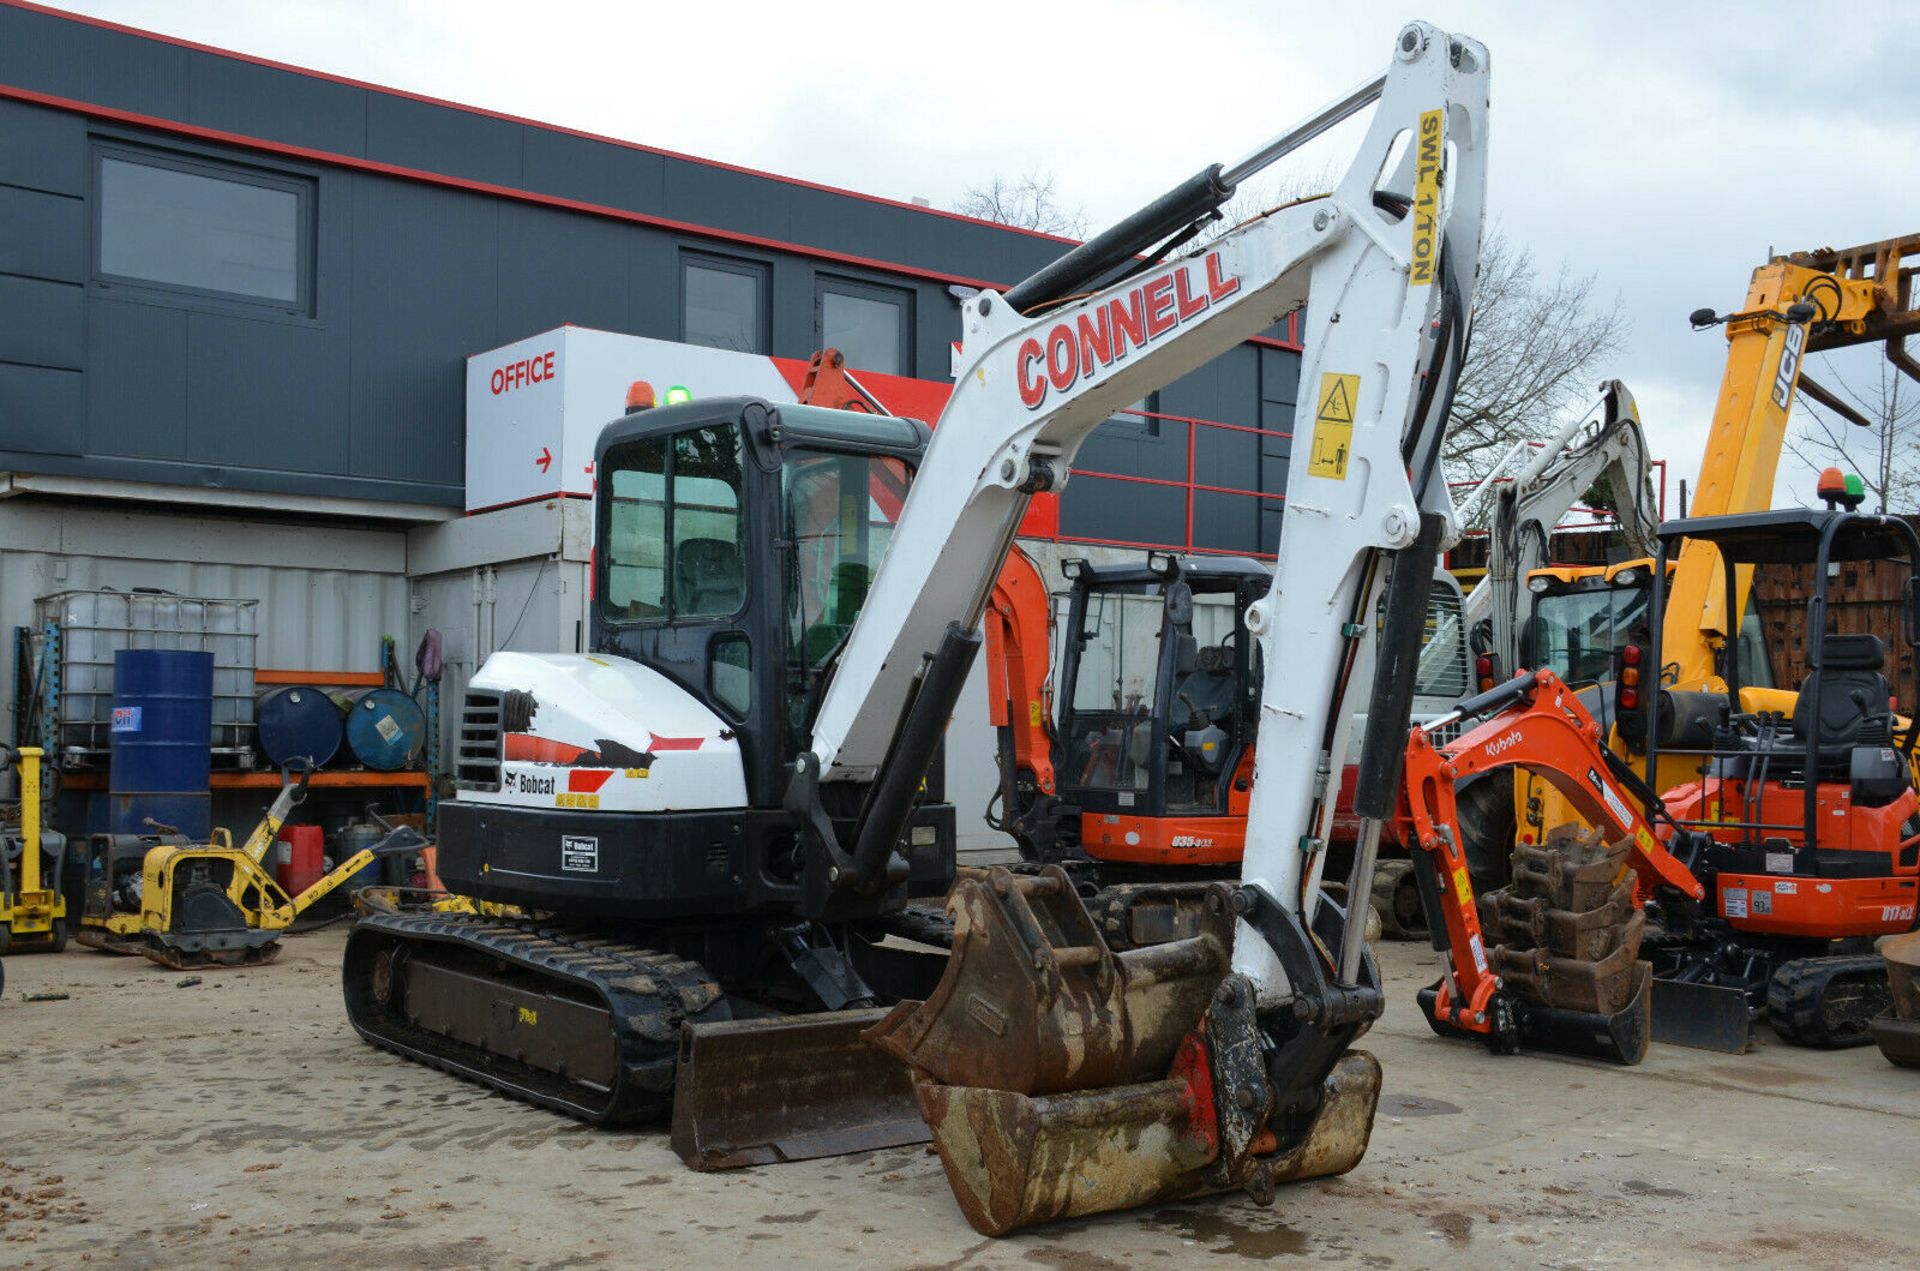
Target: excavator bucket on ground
(1897, 1031)
(1059, 1078)
(1568, 951)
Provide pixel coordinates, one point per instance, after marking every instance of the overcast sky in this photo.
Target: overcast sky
(1664, 148)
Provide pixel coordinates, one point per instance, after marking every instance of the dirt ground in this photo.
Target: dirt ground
(241, 1120)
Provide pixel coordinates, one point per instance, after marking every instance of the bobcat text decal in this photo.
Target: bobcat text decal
(1097, 339)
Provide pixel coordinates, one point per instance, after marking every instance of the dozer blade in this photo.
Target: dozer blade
(1015, 1159)
(1703, 1016)
(1897, 1031)
(788, 1088)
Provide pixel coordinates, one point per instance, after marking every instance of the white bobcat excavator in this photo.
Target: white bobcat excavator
(720, 808)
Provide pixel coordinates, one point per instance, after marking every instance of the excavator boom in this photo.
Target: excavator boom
(1058, 1077)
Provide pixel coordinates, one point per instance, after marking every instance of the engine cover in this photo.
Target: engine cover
(587, 732)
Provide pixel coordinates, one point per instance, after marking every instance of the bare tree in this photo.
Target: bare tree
(1537, 339)
(1886, 453)
(1251, 202)
(1029, 201)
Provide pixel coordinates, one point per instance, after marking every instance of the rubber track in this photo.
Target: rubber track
(1797, 1000)
(649, 993)
(925, 924)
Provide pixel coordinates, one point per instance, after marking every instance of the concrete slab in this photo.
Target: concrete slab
(242, 1121)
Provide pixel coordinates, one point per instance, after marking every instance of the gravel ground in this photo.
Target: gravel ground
(241, 1120)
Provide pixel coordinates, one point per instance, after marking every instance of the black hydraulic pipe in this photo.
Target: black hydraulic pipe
(897, 788)
(1499, 695)
(1376, 791)
(1167, 215)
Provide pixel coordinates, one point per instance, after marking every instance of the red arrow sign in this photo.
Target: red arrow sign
(545, 460)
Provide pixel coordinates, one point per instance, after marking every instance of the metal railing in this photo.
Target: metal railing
(1190, 485)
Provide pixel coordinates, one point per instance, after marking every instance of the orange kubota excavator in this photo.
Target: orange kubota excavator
(1753, 888)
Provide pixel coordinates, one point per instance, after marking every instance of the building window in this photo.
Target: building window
(205, 228)
(873, 326)
(1140, 418)
(723, 303)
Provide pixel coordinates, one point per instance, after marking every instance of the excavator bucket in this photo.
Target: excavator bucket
(1897, 1031)
(1061, 1079)
(788, 1088)
(1014, 1159)
(1568, 951)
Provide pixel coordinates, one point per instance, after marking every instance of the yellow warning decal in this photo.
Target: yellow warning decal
(1034, 714)
(576, 800)
(529, 1016)
(1644, 837)
(1426, 196)
(1333, 425)
(1462, 888)
(637, 774)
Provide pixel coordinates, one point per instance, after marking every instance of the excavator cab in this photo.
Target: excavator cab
(1158, 697)
(1806, 824)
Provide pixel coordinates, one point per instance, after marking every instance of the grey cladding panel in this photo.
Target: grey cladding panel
(410, 341)
(91, 64)
(841, 224)
(266, 394)
(1229, 522)
(41, 410)
(560, 267)
(259, 101)
(965, 248)
(439, 139)
(137, 389)
(42, 323)
(728, 200)
(593, 171)
(1135, 447)
(42, 149)
(42, 235)
(1124, 511)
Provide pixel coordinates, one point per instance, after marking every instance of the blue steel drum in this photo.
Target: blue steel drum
(386, 729)
(161, 742)
(297, 722)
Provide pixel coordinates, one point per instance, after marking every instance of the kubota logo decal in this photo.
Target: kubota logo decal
(1073, 351)
(1501, 745)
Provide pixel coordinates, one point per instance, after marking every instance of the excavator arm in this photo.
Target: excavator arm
(1060, 1078)
(1605, 442)
(1533, 721)
(1019, 636)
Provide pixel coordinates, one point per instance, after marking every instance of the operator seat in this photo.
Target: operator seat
(707, 577)
(1208, 689)
(1844, 703)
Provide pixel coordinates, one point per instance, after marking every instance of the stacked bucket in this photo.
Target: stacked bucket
(1566, 931)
